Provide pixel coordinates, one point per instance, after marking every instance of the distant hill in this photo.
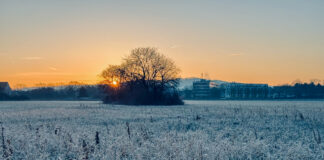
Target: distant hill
(187, 82)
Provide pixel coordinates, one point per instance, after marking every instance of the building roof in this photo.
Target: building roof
(4, 85)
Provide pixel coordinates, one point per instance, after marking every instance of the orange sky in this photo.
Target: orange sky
(257, 42)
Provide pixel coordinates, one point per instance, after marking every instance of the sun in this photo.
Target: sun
(114, 83)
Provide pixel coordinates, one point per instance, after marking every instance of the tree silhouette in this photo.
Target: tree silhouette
(144, 77)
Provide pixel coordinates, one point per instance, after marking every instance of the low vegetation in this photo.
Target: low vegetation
(198, 130)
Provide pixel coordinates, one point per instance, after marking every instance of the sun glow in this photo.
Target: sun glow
(114, 83)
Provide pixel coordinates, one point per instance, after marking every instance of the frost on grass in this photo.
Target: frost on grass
(197, 130)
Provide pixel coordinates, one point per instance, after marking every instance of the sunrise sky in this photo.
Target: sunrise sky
(257, 41)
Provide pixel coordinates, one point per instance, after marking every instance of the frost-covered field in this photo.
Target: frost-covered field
(197, 130)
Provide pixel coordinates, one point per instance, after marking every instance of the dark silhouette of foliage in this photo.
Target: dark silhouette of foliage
(86, 92)
(299, 91)
(145, 77)
(14, 97)
(83, 92)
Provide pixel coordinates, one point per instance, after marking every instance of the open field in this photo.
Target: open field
(197, 130)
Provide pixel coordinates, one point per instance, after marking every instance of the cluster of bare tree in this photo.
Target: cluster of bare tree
(144, 77)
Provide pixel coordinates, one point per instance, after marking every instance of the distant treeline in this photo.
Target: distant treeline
(86, 92)
(99, 92)
(298, 91)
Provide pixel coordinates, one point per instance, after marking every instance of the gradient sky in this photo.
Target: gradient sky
(257, 41)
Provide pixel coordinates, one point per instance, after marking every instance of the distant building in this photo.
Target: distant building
(206, 89)
(201, 89)
(5, 88)
(245, 91)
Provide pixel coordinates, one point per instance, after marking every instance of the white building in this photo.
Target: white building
(245, 91)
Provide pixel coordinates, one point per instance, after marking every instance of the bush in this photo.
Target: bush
(138, 95)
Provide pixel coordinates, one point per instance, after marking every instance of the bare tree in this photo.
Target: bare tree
(144, 67)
